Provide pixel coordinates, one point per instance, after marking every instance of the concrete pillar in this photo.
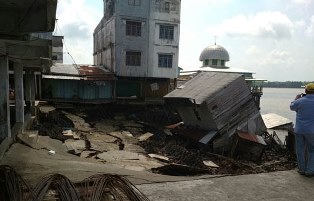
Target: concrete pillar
(5, 128)
(27, 91)
(33, 94)
(19, 92)
(39, 87)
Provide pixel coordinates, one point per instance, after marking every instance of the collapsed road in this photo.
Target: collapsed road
(137, 138)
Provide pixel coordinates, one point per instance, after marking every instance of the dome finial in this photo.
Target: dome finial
(216, 39)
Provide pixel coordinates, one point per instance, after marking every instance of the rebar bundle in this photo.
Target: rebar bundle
(110, 187)
(63, 187)
(12, 186)
(103, 187)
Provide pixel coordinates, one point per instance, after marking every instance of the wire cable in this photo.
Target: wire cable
(66, 48)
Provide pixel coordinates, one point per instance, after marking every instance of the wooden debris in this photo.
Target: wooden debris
(210, 164)
(159, 157)
(247, 146)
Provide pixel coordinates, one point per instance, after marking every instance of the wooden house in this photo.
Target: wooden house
(220, 102)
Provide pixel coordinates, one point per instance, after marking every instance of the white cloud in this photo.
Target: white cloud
(213, 2)
(310, 29)
(306, 2)
(77, 20)
(278, 57)
(264, 24)
(253, 50)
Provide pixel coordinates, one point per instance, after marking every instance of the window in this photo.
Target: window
(54, 57)
(133, 58)
(214, 62)
(206, 62)
(165, 61)
(167, 7)
(166, 32)
(133, 28)
(134, 2)
(222, 62)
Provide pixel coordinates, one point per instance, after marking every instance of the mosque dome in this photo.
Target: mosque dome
(214, 56)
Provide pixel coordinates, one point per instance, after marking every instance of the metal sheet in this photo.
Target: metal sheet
(207, 138)
(61, 77)
(273, 120)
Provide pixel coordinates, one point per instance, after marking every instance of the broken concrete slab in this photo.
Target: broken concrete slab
(118, 155)
(102, 138)
(79, 123)
(145, 136)
(52, 144)
(133, 148)
(117, 134)
(31, 139)
(75, 146)
(87, 154)
(103, 146)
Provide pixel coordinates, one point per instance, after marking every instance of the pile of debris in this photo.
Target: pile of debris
(133, 140)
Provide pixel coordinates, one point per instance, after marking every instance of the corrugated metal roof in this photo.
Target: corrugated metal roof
(203, 85)
(273, 120)
(86, 72)
(68, 69)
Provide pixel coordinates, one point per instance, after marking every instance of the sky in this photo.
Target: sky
(273, 38)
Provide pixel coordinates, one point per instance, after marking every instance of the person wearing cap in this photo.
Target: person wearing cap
(303, 105)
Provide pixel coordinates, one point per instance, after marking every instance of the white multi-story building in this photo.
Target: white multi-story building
(139, 38)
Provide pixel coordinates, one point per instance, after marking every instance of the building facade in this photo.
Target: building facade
(57, 49)
(139, 38)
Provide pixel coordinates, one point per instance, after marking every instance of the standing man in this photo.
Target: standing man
(304, 130)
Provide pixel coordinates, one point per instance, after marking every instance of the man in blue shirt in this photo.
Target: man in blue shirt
(304, 130)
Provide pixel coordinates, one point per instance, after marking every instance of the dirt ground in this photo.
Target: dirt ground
(109, 128)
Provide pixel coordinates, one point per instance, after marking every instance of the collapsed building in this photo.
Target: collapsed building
(219, 104)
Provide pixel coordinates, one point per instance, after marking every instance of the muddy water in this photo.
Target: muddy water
(277, 100)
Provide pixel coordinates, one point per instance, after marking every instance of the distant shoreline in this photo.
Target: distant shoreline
(287, 84)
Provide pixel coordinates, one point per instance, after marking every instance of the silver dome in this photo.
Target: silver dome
(214, 52)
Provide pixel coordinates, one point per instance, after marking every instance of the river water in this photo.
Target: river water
(277, 100)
